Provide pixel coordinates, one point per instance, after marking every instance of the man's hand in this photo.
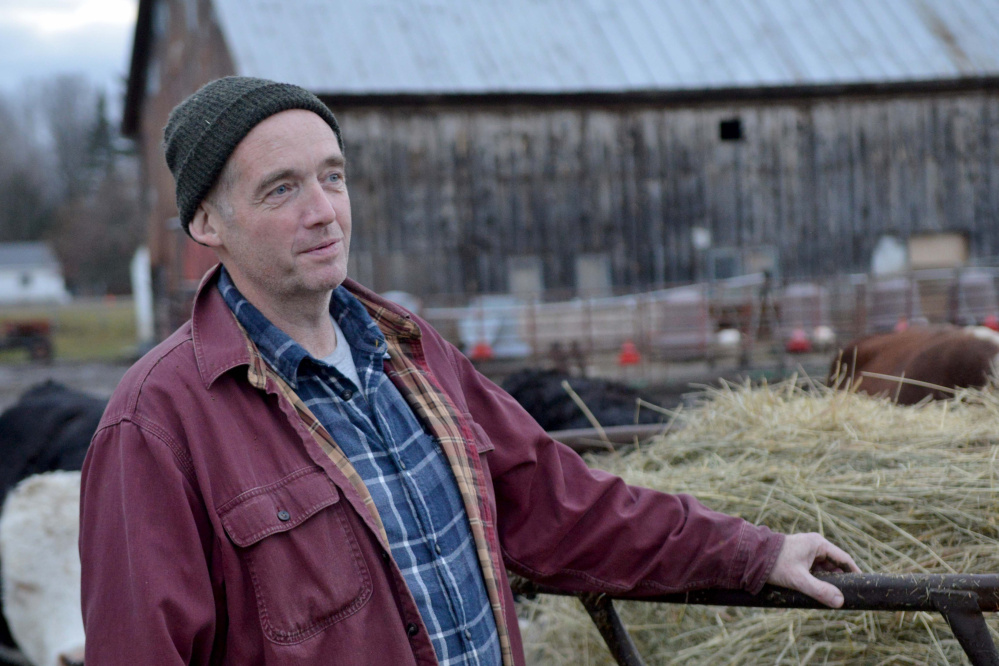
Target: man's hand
(803, 553)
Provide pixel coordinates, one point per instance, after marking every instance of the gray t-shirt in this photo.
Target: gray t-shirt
(341, 358)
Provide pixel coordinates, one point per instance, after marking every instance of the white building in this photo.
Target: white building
(30, 273)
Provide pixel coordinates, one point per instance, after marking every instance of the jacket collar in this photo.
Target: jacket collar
(393, 319)
(221, 344)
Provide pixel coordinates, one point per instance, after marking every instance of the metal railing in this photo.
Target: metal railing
(959, 598)
(684, 322)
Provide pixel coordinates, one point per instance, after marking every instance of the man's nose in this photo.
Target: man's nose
(319, 206)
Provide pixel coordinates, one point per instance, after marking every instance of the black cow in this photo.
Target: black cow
(541, 393)
(48, 429)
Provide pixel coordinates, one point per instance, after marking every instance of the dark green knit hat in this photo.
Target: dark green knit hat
(204, 130)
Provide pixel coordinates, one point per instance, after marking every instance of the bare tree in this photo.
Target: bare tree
(25, 208)
(97, 228)
(97, 235)
(66, 177)
(68, 107)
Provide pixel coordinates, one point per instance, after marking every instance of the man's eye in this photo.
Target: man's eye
(280, 189)
(334, 177)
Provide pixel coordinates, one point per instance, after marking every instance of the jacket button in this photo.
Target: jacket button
(284, 516)
(385, 555)
(412, 629)
(348, 394)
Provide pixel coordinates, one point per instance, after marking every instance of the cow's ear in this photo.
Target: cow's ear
(205, 226)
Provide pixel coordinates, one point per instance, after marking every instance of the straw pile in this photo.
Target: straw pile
(902, 489)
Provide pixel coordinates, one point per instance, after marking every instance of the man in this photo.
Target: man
(305, 473)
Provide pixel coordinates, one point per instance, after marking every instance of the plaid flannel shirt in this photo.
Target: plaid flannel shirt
(409, 482)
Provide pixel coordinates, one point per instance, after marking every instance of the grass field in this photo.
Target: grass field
(83, 330)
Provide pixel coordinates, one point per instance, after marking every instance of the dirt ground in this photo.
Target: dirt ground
(97, 379)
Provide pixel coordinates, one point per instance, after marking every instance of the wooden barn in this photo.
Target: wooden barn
(597, 146)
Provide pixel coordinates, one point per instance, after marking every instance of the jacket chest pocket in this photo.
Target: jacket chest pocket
(295, 542)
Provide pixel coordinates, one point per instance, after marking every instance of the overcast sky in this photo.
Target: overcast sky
(42, 38)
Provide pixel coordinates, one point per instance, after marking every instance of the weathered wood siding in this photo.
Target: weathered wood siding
(443, 196)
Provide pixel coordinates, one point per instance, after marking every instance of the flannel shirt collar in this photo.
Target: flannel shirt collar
(221, 343)
(285, 355)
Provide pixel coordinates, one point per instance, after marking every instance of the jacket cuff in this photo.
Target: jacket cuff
(758, 550)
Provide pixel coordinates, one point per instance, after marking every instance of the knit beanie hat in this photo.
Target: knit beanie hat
(204, 129)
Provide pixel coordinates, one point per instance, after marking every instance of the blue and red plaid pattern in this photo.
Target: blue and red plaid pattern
(407, 475)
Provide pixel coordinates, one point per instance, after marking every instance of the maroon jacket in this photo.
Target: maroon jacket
(185, 563)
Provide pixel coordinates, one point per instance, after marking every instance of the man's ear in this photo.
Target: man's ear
(204, 226)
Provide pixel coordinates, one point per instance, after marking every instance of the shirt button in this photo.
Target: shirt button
(402, 464)
(437, 547)
(468, 634)
(348, 394)
(412, 629)
(284, 516)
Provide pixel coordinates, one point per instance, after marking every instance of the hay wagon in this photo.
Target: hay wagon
(960, 598)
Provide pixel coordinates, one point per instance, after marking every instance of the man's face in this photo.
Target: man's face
(285, 231)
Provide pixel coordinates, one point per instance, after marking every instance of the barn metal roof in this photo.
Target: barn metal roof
(374, 47)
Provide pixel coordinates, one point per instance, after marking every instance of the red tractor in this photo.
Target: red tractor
(34, 335)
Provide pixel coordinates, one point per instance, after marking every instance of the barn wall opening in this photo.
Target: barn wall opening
(730, 130)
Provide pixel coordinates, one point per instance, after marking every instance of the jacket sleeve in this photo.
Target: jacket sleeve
(145, 543)
(567, 525)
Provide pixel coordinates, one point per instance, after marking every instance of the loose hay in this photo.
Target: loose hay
(902, 489)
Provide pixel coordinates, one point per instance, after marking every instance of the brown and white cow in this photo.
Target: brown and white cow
(909, 365)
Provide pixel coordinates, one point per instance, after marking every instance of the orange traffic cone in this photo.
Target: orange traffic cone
(482, 351)
(629, 354)
(798, 342)
(992, 322)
